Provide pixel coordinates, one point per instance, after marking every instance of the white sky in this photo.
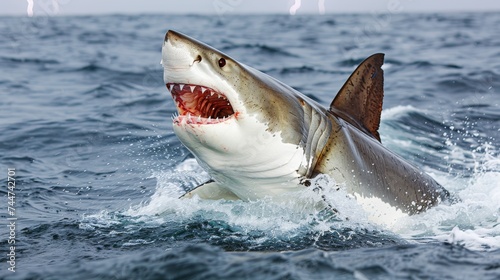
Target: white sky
(71, 7)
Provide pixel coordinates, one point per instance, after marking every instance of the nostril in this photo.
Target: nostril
(197, 59)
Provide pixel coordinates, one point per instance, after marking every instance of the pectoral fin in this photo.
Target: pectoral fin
(211, 190)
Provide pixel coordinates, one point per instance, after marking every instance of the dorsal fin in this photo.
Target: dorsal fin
(359, 101)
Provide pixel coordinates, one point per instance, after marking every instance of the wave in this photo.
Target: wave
(261, 49)
(36, 61)
(196, 261)
(473, 82)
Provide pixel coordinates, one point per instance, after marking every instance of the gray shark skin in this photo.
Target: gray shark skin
(258, 137)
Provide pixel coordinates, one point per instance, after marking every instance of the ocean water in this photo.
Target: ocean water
(85, 121)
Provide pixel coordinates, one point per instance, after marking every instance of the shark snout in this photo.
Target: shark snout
(180, 40)
(178, 55)
(181, 48)
(171, 36)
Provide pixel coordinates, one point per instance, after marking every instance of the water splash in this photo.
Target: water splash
(296, 6)
(474, 222)
(53, 10)
(30, 8)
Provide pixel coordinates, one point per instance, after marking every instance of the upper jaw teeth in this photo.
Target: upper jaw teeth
(182, 87)
(171, 88)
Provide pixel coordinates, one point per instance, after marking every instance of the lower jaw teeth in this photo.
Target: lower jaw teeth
(190, 119)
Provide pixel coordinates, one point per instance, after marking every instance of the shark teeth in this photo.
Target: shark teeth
(199, 104)
(197, 120)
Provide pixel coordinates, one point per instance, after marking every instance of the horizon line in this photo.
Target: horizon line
(304, 13)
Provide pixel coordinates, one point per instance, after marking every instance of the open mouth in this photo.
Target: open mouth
(199, 105)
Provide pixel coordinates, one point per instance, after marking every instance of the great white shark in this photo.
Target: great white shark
(258, 137)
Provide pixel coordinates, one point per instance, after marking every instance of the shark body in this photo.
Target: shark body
(258, 137)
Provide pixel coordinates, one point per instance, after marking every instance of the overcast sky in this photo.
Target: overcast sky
(71, 7)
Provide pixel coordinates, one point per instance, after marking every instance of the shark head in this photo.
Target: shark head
(244, 127)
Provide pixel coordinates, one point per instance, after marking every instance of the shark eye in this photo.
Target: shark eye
(222, 62)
